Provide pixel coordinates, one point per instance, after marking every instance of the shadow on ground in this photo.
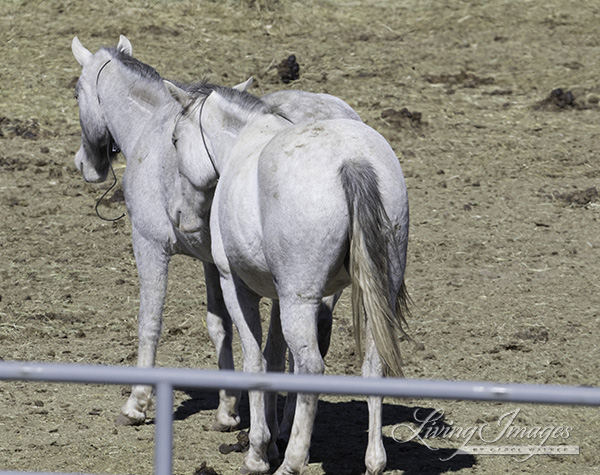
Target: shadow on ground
(340, 436)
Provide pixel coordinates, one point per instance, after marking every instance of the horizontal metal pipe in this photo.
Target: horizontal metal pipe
(324, 384)
(41, 473)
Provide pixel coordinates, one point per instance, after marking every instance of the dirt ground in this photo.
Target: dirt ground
(502, 174)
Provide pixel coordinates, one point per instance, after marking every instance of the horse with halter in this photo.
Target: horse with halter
(300, 211)
(125, 106)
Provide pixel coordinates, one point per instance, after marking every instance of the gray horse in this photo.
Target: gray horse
(124, 102)
(301, 210)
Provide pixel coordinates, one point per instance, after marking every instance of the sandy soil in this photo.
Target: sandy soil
(504, 239)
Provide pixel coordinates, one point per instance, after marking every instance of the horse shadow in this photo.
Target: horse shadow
(340, 436)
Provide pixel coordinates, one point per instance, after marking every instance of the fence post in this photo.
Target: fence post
(163, 429)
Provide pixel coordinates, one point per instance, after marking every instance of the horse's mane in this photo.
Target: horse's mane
(133, 64)
(245, 100)
(199, 89)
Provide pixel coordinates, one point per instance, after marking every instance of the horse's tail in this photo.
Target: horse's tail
(373, 257)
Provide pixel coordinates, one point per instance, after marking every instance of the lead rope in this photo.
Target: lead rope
(113, 146)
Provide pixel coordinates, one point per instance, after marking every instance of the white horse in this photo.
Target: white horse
(300, 212)
(302, 106)
(123, 101)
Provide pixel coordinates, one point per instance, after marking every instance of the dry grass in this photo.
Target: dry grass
(501, 266)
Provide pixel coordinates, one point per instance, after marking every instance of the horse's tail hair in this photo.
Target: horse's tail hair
(372, 243)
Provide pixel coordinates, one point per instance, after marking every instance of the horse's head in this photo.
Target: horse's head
(187, 135)
(193, 143)
(98, 148)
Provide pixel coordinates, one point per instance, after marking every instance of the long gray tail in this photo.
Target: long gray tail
(370, 263)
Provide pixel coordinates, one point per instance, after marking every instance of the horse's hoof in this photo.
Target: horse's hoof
(246, 471)
(258, 464)
(230, 424)
(218, 427)
(283, 470)
(124, 420)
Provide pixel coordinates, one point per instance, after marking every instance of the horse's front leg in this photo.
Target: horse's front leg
(152, 263)
(220, 330)
(242, 304)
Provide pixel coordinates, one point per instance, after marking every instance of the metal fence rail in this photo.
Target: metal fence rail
(165, 380)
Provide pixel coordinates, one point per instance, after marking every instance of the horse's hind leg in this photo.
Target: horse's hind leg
(220, 330)
(152, 263)
(375, 458)
(299, 325)
(324, 323)
(274, 353)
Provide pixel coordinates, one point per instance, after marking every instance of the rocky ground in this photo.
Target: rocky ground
(493, 111)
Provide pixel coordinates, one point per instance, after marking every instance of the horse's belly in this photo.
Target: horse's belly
(194, 244)
(259, 282)
(246, 258)
(337, 282)
(262, 281)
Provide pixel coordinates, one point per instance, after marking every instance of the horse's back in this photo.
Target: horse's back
(302, 106)
(304, 212)
(301, 164)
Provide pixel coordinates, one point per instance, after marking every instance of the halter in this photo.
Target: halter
(204, 138)
(98, 78)
(112, 148)
(106, 193)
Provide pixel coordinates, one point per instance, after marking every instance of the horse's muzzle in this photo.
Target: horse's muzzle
(89, 172)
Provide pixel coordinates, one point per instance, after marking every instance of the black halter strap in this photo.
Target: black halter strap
(108, 191)
(98, 78)
(204, 138)
(112, 148)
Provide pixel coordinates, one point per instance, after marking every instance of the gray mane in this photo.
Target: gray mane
(244, 99)
(135, 65)
(197, 90)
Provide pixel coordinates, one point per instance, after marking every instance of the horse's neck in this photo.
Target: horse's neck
(231, 128)
(128, 105)
(255, 135)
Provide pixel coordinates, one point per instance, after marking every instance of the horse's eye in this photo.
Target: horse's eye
(174, 141)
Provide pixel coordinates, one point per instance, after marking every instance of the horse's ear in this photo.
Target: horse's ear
(223, 113)
(81, 53)
(243, 86)
(177, 93)
(125, 46)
